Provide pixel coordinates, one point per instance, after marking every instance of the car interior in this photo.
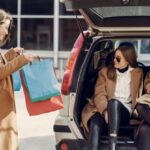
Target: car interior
(101, 56)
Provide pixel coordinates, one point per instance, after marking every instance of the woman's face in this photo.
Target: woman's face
(4, 27)
(119, 60)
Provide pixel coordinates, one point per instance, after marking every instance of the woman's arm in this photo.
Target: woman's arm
(12, 66)
(13, 52)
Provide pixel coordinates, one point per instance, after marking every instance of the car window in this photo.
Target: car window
(142, 46)
(104, 12)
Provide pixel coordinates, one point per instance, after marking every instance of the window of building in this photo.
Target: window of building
(68, 33)
(37, 34)
(9, 6)
(37, 7)
(45, 28)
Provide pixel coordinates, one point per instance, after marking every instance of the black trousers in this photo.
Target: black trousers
(117, 115)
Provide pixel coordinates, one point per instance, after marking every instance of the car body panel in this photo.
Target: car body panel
(71, 63)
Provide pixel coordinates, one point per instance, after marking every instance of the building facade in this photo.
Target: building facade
(44, 28)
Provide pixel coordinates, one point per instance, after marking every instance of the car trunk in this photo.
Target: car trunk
(113, 15)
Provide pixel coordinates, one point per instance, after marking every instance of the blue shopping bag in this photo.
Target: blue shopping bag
(16, 81)
(40, 80)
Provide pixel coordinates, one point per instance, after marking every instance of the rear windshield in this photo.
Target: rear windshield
(121, 11)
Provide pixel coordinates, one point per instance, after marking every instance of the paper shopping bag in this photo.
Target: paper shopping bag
(36, 108)
(40, 80)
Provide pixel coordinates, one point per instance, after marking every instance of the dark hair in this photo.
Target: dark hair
(5, 15)
(128, 51)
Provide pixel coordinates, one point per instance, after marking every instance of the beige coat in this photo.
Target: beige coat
(104, 91)
(145, 99)
(8, 128)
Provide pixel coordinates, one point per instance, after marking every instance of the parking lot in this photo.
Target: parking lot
(36, 132)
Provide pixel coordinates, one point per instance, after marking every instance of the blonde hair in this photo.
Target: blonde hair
(5, 15)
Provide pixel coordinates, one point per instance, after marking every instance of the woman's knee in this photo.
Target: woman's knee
(97, 121)
(114, 103)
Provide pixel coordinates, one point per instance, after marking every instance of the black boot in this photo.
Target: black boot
(96, 126)
(94, 139)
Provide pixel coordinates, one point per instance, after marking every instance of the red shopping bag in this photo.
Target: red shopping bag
(36, 108)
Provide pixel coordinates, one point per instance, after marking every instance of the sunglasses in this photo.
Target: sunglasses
(118, 59)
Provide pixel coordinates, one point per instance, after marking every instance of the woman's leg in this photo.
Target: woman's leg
(96, 125)
(116, 111)
(144, 111)
(143, 137)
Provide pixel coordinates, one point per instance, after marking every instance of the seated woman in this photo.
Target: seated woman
(114, 97)
(143, 109)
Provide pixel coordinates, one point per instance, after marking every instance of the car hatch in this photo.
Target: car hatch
(113, 15)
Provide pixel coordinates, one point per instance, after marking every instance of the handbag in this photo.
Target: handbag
(40, 80)
(16, 81)
(40, 107)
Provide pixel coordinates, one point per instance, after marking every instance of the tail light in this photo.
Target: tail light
(70, 66)
(64, 146)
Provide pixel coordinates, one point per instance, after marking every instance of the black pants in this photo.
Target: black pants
(117, 115)
(143, 136)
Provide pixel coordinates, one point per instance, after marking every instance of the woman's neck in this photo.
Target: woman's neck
(122, 70)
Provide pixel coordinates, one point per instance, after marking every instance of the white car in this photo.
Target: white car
(109, 23)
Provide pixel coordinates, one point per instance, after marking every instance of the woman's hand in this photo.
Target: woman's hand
(18, 50)
(30, 57)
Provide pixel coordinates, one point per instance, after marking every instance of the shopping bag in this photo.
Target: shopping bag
(40, 80)
(36, 108)
(16, 81)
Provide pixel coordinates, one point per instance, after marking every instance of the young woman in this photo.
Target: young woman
(143, 109)
(10, 62)
(116, 90)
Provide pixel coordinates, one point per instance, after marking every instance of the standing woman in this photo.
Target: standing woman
(113, 102)
(10, 62)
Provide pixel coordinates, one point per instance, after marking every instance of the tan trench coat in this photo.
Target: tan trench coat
(104, 91)
(8, 128)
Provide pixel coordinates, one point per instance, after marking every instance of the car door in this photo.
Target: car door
(113, 15)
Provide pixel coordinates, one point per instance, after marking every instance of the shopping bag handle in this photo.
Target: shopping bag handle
(37, 59)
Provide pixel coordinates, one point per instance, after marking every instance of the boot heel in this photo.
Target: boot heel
(112, 143)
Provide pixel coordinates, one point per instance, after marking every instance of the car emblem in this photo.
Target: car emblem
(125, 2)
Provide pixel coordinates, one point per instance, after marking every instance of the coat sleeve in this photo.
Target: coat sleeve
(11, 54)
(100, 94)
(12, 66)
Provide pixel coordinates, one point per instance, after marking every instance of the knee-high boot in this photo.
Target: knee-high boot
(113, 122)
(96, 126)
